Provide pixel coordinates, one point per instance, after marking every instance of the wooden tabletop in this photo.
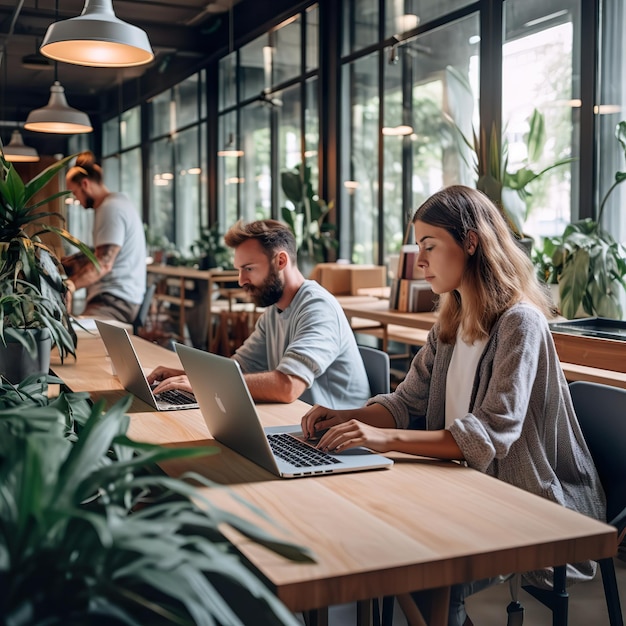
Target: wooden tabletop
(378, 310)
(184, 271)
(422, 524)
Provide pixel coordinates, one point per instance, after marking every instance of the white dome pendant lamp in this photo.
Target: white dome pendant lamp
(97, 38)
(58, 116)
(18, 152)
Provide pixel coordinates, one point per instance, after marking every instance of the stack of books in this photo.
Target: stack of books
(409, 291)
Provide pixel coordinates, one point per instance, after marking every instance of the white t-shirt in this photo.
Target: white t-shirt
(460, 378)
(117, 222)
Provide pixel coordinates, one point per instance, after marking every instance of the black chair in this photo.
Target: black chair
(142, 315)
(601, 412)
(378, 374)
(377, 368)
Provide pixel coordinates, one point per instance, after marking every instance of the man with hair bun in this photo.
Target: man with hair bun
(116, 288)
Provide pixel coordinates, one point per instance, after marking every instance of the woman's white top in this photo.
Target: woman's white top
(460, 379)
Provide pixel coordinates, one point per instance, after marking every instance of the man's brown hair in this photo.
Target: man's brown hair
(271, 234)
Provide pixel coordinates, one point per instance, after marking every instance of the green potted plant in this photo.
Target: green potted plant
(210, 250)
(91, 532)
(586, 262)
(509, 190)
(158, 245)
(32, 305)
(306, 216)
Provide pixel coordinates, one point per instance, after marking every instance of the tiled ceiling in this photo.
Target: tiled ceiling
(181, 30)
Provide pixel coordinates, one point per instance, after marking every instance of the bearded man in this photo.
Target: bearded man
(302, 346)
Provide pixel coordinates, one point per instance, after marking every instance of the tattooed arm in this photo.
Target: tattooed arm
(88, 274)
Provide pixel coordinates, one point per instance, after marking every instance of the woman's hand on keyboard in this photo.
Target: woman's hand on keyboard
(320, 418)
(355, 433)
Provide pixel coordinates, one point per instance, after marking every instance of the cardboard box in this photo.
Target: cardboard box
(333, 276)
(345, 279)
(362, 276)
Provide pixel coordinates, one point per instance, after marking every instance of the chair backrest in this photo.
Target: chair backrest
(601, 412)
(142, 314)
(377, 367)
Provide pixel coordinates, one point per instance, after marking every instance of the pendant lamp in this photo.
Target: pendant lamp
(230, 149)
(97, 38)
(18, 152)
(36, 60)
(58, 116)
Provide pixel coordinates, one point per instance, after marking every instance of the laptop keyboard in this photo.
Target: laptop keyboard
(175, 397)
(297, 452)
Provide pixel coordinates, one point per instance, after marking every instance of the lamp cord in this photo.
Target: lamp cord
(56, 19)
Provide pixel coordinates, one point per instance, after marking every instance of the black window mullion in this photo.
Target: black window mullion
(590, 20)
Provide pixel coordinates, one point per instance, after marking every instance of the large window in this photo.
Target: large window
(539, 67)
(610, 109)
(373, 98)
(121, 163)
(360, 162)
(399, 144)
(268, 118)
(178, 163)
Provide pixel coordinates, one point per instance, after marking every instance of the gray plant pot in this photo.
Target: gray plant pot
(15, 362)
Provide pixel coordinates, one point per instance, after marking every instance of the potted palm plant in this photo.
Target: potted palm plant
(507, 189)
(586, 262)
(92, 532)
(33, 314)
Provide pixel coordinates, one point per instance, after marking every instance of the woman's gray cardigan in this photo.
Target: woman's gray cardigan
(521, 427)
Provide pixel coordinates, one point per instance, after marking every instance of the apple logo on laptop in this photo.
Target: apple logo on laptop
(220, 404)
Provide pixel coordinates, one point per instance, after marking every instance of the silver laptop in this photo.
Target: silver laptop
(232, 419)
(131, 374)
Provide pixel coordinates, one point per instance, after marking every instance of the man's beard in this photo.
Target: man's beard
(270, 292)
(88, 202)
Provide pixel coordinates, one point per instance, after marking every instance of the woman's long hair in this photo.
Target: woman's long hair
(498, 275)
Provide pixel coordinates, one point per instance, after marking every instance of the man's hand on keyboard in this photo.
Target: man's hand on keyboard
(169, 378)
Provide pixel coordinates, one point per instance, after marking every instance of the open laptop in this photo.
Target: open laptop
(131, 374)
(231, 417)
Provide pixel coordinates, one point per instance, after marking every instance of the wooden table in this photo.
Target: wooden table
(582, 358)
(376, 292)
(422, 524)
(378, 309)
(389, 325)
(183, 273)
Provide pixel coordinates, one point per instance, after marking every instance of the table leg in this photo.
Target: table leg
(364, 614)
(316, 617)
(181, 313)
(209, 315)
(561, 596)
(439, 607)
